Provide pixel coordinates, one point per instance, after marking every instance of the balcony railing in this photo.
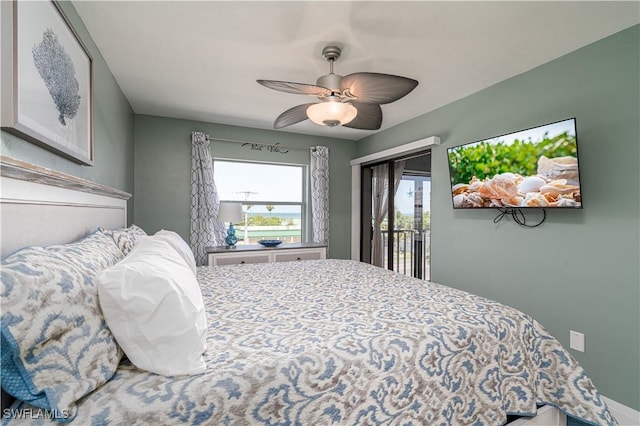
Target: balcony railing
(288, 233)
(410, 251)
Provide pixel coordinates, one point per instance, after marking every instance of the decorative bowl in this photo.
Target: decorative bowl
(269, 243)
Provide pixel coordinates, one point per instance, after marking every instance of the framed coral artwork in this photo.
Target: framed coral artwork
(46, 80)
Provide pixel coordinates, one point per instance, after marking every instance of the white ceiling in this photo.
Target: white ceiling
(200, 60)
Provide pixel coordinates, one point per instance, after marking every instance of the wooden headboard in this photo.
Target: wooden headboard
(40, 206)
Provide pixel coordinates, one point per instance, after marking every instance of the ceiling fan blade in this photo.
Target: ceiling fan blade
(369, 117)
(292, 116)
(374, 88)
(295, 88)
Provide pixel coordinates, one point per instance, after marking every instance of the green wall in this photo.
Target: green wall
(579, 270)
(112, 132)
(163, 171)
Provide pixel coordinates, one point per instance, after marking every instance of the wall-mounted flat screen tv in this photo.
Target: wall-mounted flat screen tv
(536, 167)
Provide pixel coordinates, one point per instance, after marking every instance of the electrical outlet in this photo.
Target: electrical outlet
(576, 341)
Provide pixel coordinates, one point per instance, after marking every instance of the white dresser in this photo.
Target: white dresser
(285, 252)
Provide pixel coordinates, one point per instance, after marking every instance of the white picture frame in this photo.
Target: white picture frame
(47, 85)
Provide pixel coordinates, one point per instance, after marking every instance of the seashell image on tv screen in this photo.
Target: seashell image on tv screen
(537, 167)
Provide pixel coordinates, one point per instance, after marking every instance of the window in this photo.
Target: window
(396, 221)
(272, 195)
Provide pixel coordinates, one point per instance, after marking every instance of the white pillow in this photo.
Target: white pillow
(153, 305)
(180, 246)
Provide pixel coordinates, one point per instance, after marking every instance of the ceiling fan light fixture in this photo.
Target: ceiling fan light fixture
(332, 113)
(342, 98)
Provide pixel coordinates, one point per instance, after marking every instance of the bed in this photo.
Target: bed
(330, 342)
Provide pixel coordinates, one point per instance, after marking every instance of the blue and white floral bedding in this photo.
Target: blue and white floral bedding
(336, 342)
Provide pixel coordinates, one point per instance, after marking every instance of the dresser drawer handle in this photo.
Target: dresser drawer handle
(299, 258)
(242, 262)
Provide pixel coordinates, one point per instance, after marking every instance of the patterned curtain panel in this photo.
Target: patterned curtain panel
(320, 194)
(206, 229)
(380, 189)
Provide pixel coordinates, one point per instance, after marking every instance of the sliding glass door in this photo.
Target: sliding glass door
(395, 210)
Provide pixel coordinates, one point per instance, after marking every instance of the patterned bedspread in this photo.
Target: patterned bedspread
(338, 342)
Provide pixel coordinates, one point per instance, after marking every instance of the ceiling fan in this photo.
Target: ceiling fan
(351, 101)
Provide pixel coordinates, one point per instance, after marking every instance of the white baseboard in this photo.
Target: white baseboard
(626, 416)
(545, 416)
